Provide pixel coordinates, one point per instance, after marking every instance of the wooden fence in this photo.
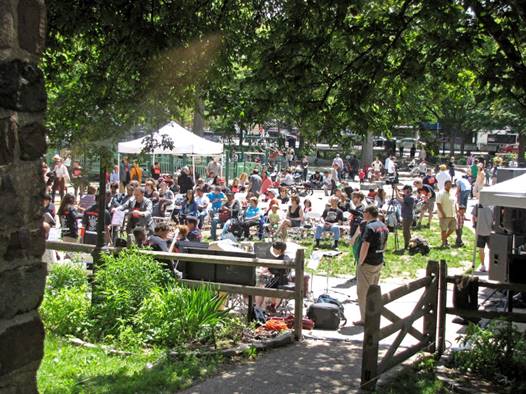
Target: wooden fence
(432, 306)
(297, 265)
(426, 307)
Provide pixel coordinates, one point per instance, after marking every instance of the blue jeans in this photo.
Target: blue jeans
(464, 196)
(213, 227)
(334, 229)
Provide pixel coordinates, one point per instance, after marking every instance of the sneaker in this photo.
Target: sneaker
(358, 323)
(444, 245)
(482, 269)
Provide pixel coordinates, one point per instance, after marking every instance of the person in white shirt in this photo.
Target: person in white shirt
(390, 167)
(377, 168)
(442, 177)
(447, 212)
(288, 179)
(114, 176)
(202, 202)
(61, 177)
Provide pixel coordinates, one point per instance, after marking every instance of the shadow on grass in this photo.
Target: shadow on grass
(164, 376)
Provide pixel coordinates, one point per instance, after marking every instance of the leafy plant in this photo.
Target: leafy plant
(495, 352)
(122, 283)
(64, 276)
(65, 311)
(178, 315)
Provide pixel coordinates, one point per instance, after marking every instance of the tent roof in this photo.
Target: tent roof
(510, 193)
(185, 143)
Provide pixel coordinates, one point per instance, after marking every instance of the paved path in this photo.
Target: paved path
(309, 367)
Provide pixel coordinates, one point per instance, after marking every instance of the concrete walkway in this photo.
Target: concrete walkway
(312, 366)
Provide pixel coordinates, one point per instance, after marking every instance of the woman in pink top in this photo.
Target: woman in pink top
(266, 184)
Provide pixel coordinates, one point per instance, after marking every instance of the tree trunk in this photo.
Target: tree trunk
(198, 122)
(452, 139)
(522, 147)
(367, 149)
(462, 144)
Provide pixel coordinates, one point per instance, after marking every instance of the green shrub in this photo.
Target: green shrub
(65, 311)
(177, 315)
(121, 285)
(499, 350)
(64, 276)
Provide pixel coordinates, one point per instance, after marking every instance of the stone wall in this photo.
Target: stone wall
(22, 144)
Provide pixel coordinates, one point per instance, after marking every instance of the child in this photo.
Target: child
(460, 225)
(361, 175)
(273, 216)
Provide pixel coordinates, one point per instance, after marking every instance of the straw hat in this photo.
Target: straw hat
(57, 157)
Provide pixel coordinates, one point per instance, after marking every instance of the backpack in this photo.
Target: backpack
(327, 299)
(418, 245)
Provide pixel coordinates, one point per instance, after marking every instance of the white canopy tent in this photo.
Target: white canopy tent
(184, 143)
(510, 193)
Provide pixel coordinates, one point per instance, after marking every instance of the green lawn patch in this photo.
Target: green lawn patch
(398, 265)
(71, 369)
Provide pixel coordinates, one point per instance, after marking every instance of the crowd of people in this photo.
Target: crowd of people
(160, 210)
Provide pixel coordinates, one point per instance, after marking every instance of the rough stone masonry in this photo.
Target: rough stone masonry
(22, 144)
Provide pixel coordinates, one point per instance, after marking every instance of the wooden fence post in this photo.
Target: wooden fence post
(430, 318)
(299, 287)
(442, 301)
(373, 310)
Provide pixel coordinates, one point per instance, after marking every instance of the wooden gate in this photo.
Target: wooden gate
(426, 307)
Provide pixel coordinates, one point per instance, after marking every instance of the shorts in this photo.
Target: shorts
(482, 241)
(429, 206)
(447, 224)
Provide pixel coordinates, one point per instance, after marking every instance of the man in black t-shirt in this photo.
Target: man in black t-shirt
(89, 225)
(332, 220)
(371, 260)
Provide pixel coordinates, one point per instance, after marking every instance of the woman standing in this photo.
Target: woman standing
(68, 215)
(480, 180)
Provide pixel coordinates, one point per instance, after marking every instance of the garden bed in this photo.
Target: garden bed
(136, 321)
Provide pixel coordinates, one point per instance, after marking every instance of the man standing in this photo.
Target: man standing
(61, 178)
(254, 183)
(377, 168)
(371, 260)
(407, 203)
(338, 162)
(214, 168)
(447, 212)
(442, 176)
(483, 222)
(124, 174)
(463, 190)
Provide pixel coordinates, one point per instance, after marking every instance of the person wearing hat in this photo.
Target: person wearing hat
(194, 234)
(61, 177)
(442, 176)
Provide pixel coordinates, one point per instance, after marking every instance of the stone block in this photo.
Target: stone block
(21, 346)
(7, 140)
(7, 25)
(22, 289)
(22, 87)
(31, 25)
(32, 141)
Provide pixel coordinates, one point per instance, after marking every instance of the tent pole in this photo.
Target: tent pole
(193, 167)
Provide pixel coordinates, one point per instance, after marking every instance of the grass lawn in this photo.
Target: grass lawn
(72, 369)
(399, 265)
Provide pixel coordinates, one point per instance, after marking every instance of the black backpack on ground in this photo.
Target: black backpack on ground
(418, 245)
(327, 313)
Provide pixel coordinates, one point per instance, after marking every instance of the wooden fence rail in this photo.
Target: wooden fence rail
(297, 265)
(432, 307)
(426, 307)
